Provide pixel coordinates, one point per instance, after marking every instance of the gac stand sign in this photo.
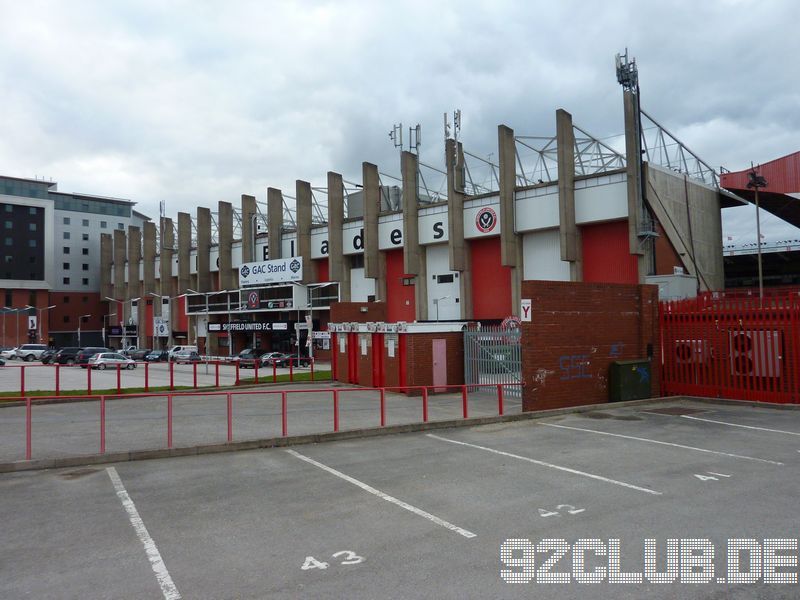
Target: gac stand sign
(271, 271)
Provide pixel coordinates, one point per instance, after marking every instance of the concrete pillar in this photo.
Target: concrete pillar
(374, 263)
(303, 220)
(106, 260)
(454, 156)
(203, 249)
(166, 281)
(248, 228)
(134, 282)
(411, 247)
(148, 278)
(568, 230)
(338, 266)
(227, 280)
(120, 265)
(184, 250)
(275, 222)
(636, 208)
(511, 254)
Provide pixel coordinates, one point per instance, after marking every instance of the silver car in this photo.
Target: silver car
(103, 360)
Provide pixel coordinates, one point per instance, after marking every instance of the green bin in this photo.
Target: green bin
(629, 380)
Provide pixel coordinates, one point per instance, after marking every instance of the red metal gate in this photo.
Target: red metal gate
(726, 346)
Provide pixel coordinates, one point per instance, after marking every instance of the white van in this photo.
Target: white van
(175, 349)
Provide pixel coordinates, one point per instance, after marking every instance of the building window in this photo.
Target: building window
(103, 224)
(32, 210)
(85, 281)
(32, 243)
(66, 299)
(85, 237)
(86, 222)
(444, 278)
(85, 252)
(66, 266)
(9, 241)
(31, 259)
(66, 318)
(9, 208)
(66, 235)
(66, 220)
(66, 249)
(8, 259)
(9, 225)
(9, 299)
(85, 266)
(31, 226)
(66, 280)
(85, 299)
(120, 226)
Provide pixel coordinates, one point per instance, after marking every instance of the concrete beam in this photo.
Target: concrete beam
(274, 221)
(149, 258)
(203, 249)
(372, 206)
(457, 248)
(134, 282)
(338, 267)
(166, 284)
(184, 250)
(633, 157)
(508, 177)
(303, 220)
(106, 260)
(248, 211)
(411, 248)
(227, 280)
(120, 265)
(568, 230)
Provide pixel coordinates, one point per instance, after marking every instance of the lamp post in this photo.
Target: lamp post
(105, 326)
(124, 302)
(436, 303)
(80, 320)
(757, 181)
(39, 312)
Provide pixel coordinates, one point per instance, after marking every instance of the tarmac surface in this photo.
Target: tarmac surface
(425, 515)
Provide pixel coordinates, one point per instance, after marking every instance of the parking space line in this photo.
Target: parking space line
(742, 426)
(649, 441)
(168, 587)
(546, 464)
(368, 488)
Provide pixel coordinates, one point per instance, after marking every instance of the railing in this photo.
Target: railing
(258, 367)
(424, 392)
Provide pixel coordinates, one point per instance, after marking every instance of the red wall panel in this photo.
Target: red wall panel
(400, 304)
(491, 283)
(322, 270)
(606, 257)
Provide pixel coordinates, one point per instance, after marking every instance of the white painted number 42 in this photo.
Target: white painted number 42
(348, 558)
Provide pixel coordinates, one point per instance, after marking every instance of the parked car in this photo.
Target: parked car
(138, 354)
(269, 358)
(8, 353)
(175, 349)
(67, 356)
(47, 356)
(295, 361)
(157, 356)
(246, 358)
(82, 358)
(186, 356)
(103, 360)
(29, 352)
(2, 363)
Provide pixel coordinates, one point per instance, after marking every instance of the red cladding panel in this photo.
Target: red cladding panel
(400, 305)
(491, 283)
(148, 319)
(183, 319)
(606, 258)
(322, 270)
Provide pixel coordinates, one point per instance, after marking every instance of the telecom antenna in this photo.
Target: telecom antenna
(396, 135)
(415, 138)
(627, 73)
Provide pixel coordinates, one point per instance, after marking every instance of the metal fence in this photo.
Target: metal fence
(492, 355)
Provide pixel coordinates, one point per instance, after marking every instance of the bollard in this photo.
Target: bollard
(28, 428)
(58, 379)
(22, 380)
(147, 376)
(284, 420)
(171, 375)
(424, 405)
(464, 410)
(291, 369)
(500, 399)
(237, 373)
(274, 371)
(169, 420)
(194, 373)
(383, 407)
(230, 417)
(102, 424)
(336, 410)
(119, 378)
(216, 373)
(312, 369)
(89, 379)
(255, 369)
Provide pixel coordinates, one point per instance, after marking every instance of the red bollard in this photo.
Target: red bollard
(119, 378)
(28, 428)
(58, 379)
(274, 371)
(284, 420)
(146, 376)
(237, 373)
(312, 369)
(216, 373)
(194, 374)
(89, 380)
(102, 424)
(336, 410)
(255, 369)
(291, 369)
(500, 399)
(22, 380)
(464, 410)
(424, 405)
(169, 421)
(230, 417)
(171, 375)
(383, 407)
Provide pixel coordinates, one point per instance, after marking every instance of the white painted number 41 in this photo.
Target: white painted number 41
(347, 558)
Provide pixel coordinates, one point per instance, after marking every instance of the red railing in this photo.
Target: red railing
(284, 396)
(732, 347)
(237, 365)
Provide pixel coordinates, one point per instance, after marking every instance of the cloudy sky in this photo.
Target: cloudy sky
(194, 102)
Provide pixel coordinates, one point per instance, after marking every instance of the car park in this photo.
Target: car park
(104, 360)
(157, 356)
(82, 358)
(8, 353)
(29, 352)
(186, 356)
(66, 356)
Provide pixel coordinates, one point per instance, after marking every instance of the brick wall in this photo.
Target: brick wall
(420, 357)
(350, 312)
(577, 331)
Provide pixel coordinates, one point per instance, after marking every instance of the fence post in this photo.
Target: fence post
(216, 373)
(500, 399)
(194, 374)
(169, 420)
(147, 376)
(22, 380)
(291, 369)
(237, 373)
(274, 371)
(58, 379)
(102, 424)
(256, 362)
(464, 408)
(312, 368)
(171, 375)
(424, 405)
(336, 410)
(28, 428)
(230, 417)
(89, 379)
(284, 423)
(383, 407)
(119, 378)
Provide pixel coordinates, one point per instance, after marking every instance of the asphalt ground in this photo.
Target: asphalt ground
(140, 423)
(417, 515)
(43, 377)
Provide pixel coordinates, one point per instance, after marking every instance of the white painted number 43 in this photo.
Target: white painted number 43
(347, 558)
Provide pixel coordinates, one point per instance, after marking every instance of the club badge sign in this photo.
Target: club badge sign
(253, 301)
(271, 271)
(486, 219)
